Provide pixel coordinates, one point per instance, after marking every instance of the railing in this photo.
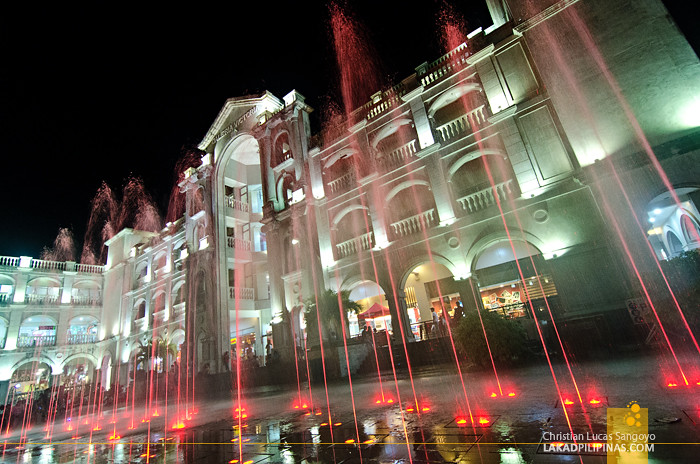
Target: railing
(41, 299)
(82, 339)
(90, 268)
(399, 157)
(350, 247)
(42, 264)
(46, 340)
(446, 65)
(379, 104)
(48, 265)
(239, 205)
(484, 198)
(5, 298)
(414, 224)
(238, 243)
(86, 300)
(342, 183)
(242, 293)
(11, 261)
(466, 123)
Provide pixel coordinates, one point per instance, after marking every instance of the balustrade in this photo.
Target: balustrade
(466, 123)
(42, 264)
(238, 243)
(236, 204)
(350, 247)
(82, 339)
(342, 183)
(414, 224)
(11, 261)
(484, 198)
(242, 293)
(41, 299)
(45, 340)
(446, 65)
(399, 157)
(86, 300)
(90, 268)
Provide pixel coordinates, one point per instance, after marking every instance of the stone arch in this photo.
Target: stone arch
(345, 211)
(55, 367)
(417, 260)
(235, 149)
(281, 148)
(345, 152)
(284, 188)
(403, 186)
(389, 129)
(177, 294)
(141, 270)
(160, 260)
(675, 244)
(90, 357)
(689, 228)
(451, 95)
(471, 156)
(480, 245)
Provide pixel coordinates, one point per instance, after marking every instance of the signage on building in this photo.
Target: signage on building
(234, 126)
(638, 309)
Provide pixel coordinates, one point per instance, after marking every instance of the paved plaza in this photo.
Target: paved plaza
(507, 429)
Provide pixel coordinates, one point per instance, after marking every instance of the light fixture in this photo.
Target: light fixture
(295, 241)
(657, 211)
(652, 219)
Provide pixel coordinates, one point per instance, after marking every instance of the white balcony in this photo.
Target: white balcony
(414, 224)
(241, 293)
(399, 157)
(350, 247)
(238, 243)
(485, 198)
(42, 299)
(342, 183)
(27, 342)
(236, 204)
(465, 124)
(82, 339)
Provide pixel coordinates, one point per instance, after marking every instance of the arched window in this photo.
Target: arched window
(675, 246)
(282, 150)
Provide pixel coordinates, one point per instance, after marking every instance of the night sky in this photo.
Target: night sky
(88, 96)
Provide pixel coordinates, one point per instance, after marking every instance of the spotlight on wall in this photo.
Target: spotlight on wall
(295, 241)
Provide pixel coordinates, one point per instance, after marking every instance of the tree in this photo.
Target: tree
(161, 350)
(506, 338)
(329, 307)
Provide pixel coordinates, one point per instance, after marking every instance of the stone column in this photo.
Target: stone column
(376, 213)
(13, 330)
(420, 118)
(62, 328)
(469, 294)
(439, 186)
(397, 308)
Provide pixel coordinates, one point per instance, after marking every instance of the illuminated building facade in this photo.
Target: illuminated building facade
(525, 164)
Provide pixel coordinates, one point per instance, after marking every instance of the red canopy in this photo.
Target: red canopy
(375, 310)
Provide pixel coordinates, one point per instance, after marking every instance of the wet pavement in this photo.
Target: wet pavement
(432, 417)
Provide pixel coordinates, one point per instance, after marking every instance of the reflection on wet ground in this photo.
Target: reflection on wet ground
(436, 428)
